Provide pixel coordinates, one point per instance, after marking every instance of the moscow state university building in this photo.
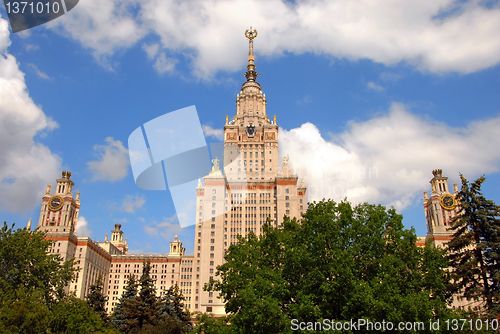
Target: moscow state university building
(235, 199)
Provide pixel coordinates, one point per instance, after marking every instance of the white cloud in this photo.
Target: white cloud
(164, 64)
(102, 26)
(437, 36)
(122, 220)
(113, 161)
(82, 227)
(4, 35)
(375, 87)
(390, 77)
(166, 229)
(31, 47)
(25, 164)
(151, 49)
(131, 204)
(211, 132)
(388, 159)
(40, 74)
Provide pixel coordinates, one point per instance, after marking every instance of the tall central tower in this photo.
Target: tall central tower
(238, 197)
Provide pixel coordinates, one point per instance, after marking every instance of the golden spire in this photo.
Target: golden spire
(251, 75)
(29, 225)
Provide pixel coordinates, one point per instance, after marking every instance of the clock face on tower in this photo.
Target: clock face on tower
(250, 130)
(448, 202)
(55, 203)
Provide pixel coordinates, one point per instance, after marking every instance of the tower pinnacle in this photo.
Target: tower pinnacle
(251, 75)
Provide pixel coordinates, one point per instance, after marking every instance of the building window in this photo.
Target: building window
(287, 198)
(287, 191)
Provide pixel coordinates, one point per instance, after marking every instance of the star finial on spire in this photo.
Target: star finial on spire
(251, 75)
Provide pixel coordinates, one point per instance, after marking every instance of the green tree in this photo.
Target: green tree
(209, 324)
(124, 316)
(171, 310)
(25, 264)
(97, 300)
(475, 247)
(147, 312)
(23, 311)
(32, 288)
(32, 281)
(338, 262)
(74, 316)
(138, 305)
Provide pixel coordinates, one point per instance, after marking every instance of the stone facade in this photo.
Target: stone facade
(235, 199)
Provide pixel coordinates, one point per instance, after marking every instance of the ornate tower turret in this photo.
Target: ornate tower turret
(117, 239)
(439, 208)
(59, 212)
(176, 249)
(251, 133)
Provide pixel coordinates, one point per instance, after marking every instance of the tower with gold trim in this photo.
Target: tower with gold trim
(440, 207)
(249, 187)
(59, 212)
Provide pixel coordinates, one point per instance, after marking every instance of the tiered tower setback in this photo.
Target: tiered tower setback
(238, 198)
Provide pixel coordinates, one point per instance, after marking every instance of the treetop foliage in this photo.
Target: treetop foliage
(26, 266)
(32, 288)
(475, 248)
(141, 311)
(338, 262)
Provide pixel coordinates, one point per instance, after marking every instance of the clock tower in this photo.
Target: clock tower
(439, 208)
(59, 212)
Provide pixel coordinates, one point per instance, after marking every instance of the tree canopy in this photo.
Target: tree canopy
(475, 248)
(32, 288)
(96, 298)
(140, 310)
(338, 262)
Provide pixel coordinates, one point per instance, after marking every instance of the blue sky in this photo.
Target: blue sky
(370, 96)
